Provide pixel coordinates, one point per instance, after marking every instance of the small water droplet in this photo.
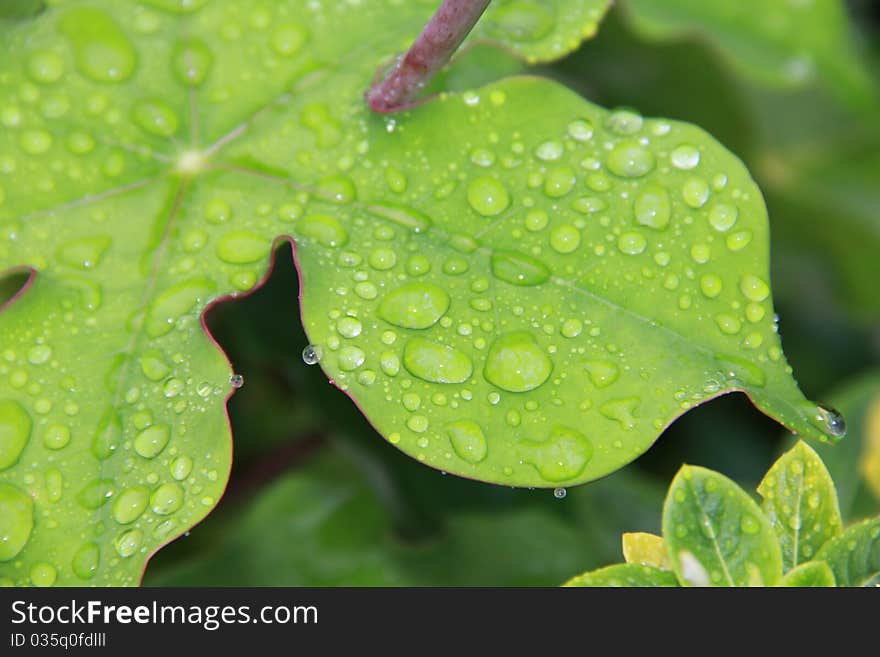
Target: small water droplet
(236, 381)
(436, 363)
(559, 493)
(488, 196)
(311, 354)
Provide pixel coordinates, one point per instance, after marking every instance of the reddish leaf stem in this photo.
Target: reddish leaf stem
(428, 54)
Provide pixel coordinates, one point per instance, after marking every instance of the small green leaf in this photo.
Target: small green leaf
(854, 555)
(776, 41)
(624, 574)
(810, 573)
(801, 503)
(645, 549)
(716, 534)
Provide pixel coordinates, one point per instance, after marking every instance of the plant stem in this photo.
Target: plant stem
(428, 54)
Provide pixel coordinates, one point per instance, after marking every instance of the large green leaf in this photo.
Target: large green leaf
(854, 555)
(779, 42)
(624, 574)
(514, 285)
(716, 535)
(801, 503)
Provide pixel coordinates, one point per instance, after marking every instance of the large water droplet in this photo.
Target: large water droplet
(562, 456)
(85, 560)
(414, 305)
(324, 229)
(15, 431)
(96, 493)
(630, 159)
(565, 238)
(84, 253)
(43, 574)
(559, 182)
(468, 440)
(166, 499)
(632, 243)
(242, 247)
(192, 62)
(350, 358)
(311, 354)
(516, 363)
(150, 442)
(754, 288)
(602, 373)
(518, 269)
(487, 196)
(435, 362)
(155, 117)
(653, 207)
(45, 66)
(723, 216)
(16, 520)
(622, 411)
(174, 302)
(103, 51)
(409, 218)
(684, 157)
(130, 504)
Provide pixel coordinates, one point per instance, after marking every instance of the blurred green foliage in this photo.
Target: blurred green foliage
(317, 498)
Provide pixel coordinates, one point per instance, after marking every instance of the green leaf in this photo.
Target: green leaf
(513, 284)
(18, 9)
(624, 574)
(854, 555)
(716, 534)
(810, 573)
(645, 549)
(775, 41)
(801, 503)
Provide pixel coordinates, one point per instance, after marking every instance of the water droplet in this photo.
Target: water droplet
(468, 440)
(130, 504)
(418, 265)
(174, 302)
(695, 192)
(559, 493)
(559, 182)
(409, 218)
(153, 366)
(102, 50)
(522, 20)
(701, 253)
(85, 560)
(43, 574)
(834, 422)
(45, 66)
(602, 373)
(565, 238)
(54, 484)
(414, 305)
(192, 61)
(754, 288)
(418, 424)
(622, 411)
(288, 39)
(685, 157)
(242, 247)
(580, 129)
(107, 437)
(741, 370)
(382, 258)
(150, 442)
(350, 358)
(311, 354)
(15, 431)
(236, 381)
(624, 122)
(96, 493)
(518, 269)
(632, 243)
(181, 467)
(516, 363)
(487, 196)
(39, 354)
(155, 117)
(435, 362)
(166, 499)
(653, 207)
(127, 543)
(723, 216)
(630, 159)
(35, 142)
(324, 229)
(16, 520)
(563, 455)
(749, 525)
(728, 323)
(739, 240)
(711, 286)
(56, 436)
